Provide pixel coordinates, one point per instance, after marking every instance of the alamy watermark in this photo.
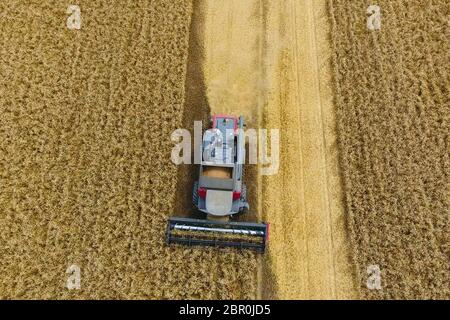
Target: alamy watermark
(212, 143)
(74, 279)
(74, 20)
(374, 277)
(374, 18)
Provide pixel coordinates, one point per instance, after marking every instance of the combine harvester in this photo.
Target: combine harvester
(220, 193)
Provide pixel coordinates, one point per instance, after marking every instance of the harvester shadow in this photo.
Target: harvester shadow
(196, 108)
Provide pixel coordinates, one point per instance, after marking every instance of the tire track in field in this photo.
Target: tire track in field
(318, 268)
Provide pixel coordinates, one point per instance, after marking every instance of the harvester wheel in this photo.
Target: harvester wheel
(244, 193)
(195, 194)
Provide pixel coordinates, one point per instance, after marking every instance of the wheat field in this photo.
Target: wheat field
(392, 100)
(86, 117)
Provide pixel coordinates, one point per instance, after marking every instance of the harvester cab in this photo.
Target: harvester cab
(220, 193)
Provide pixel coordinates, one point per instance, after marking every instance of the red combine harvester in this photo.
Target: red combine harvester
(220, 193)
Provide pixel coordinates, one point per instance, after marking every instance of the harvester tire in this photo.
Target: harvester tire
(195, 194)
(243, 210)
(244, 193)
